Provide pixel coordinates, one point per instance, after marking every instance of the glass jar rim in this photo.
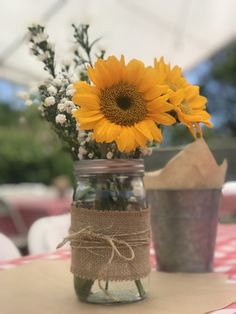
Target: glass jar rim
(103, 166)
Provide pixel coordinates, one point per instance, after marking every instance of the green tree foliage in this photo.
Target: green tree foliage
(29, 150)
(219, 86)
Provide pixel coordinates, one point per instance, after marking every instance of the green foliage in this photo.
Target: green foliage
(219, 86)
(29, 151)
(224, 68)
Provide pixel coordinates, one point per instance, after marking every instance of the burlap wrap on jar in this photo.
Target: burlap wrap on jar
(109, 245)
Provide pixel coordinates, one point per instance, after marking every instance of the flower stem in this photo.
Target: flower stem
(140, 288)
(106, 286)
(82, 287)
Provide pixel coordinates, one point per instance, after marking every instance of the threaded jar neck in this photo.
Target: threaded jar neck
(105, 166)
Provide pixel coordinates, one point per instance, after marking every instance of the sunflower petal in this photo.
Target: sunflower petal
(162, 118)
(133, 72)
(85, 88)
(90, 101)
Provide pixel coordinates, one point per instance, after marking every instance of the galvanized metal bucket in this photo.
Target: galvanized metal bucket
(184, 224)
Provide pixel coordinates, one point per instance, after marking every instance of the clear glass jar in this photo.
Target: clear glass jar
(110, 185)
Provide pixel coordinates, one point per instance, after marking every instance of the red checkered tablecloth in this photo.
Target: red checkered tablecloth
(225, 258)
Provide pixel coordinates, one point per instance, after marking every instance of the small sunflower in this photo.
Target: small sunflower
(190, 108)
(173, 77)
(124, 104)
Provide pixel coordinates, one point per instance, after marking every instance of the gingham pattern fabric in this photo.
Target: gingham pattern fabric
(225, 259)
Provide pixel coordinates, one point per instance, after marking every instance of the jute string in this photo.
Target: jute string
(109, 245)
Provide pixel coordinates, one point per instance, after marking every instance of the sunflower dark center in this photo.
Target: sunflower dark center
(123, 104)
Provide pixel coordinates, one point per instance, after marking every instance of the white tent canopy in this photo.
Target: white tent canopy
(184, 31)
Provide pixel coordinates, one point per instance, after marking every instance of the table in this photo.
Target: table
(225, 258)
(21, 213)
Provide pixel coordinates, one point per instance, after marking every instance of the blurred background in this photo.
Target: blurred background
(36, 173)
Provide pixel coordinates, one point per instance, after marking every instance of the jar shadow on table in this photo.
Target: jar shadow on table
(184, 225)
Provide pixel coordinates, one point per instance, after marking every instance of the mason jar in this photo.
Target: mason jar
(111, 222)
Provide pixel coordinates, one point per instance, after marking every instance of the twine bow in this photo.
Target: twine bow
(87, 235)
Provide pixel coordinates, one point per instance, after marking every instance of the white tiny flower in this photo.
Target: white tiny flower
(80, 156)
(49, 101)
(82, 150)
(73, 110)
(83, 143)
(69, 103)
(149, 152)
(40, 38)
(61, 107)
(109, 155)
(60, 118)
(44, 56)
(57, 81)
(70, 86)
(40, 108)
(52, 90)
(88, 139)
(90, 155)
(70, 92)
(69, 106)
(29, 102)
(73, 149)
(81, 134)
(78, 127)
(64, 100)
(23, 95)
(90, 134)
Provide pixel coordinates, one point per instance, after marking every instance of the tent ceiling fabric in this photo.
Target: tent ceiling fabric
(184, 31)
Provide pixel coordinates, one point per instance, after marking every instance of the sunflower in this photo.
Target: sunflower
(189, 105)
(124, 104)
(173, 77)
(190, 108)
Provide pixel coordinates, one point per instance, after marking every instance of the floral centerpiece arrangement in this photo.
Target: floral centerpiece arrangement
(110, 112)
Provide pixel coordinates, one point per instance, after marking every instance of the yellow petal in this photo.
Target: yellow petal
(101, 130)
(147, 81)
(199, 102)
(177, 97)
(155, 92)
(162, 118)
(143, 128)
(80, 113)
(156, 132)
(113, 131)
(92, 76)
(90, 101)
(140, 138)
(116, 68)
(85, 88)
(133, 72)
(159, 105)
(191, 91)
(126, 141)
(87, 123)
(103, 75)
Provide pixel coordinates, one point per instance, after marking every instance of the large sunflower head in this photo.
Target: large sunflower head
(124, 103)
(190, 108)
